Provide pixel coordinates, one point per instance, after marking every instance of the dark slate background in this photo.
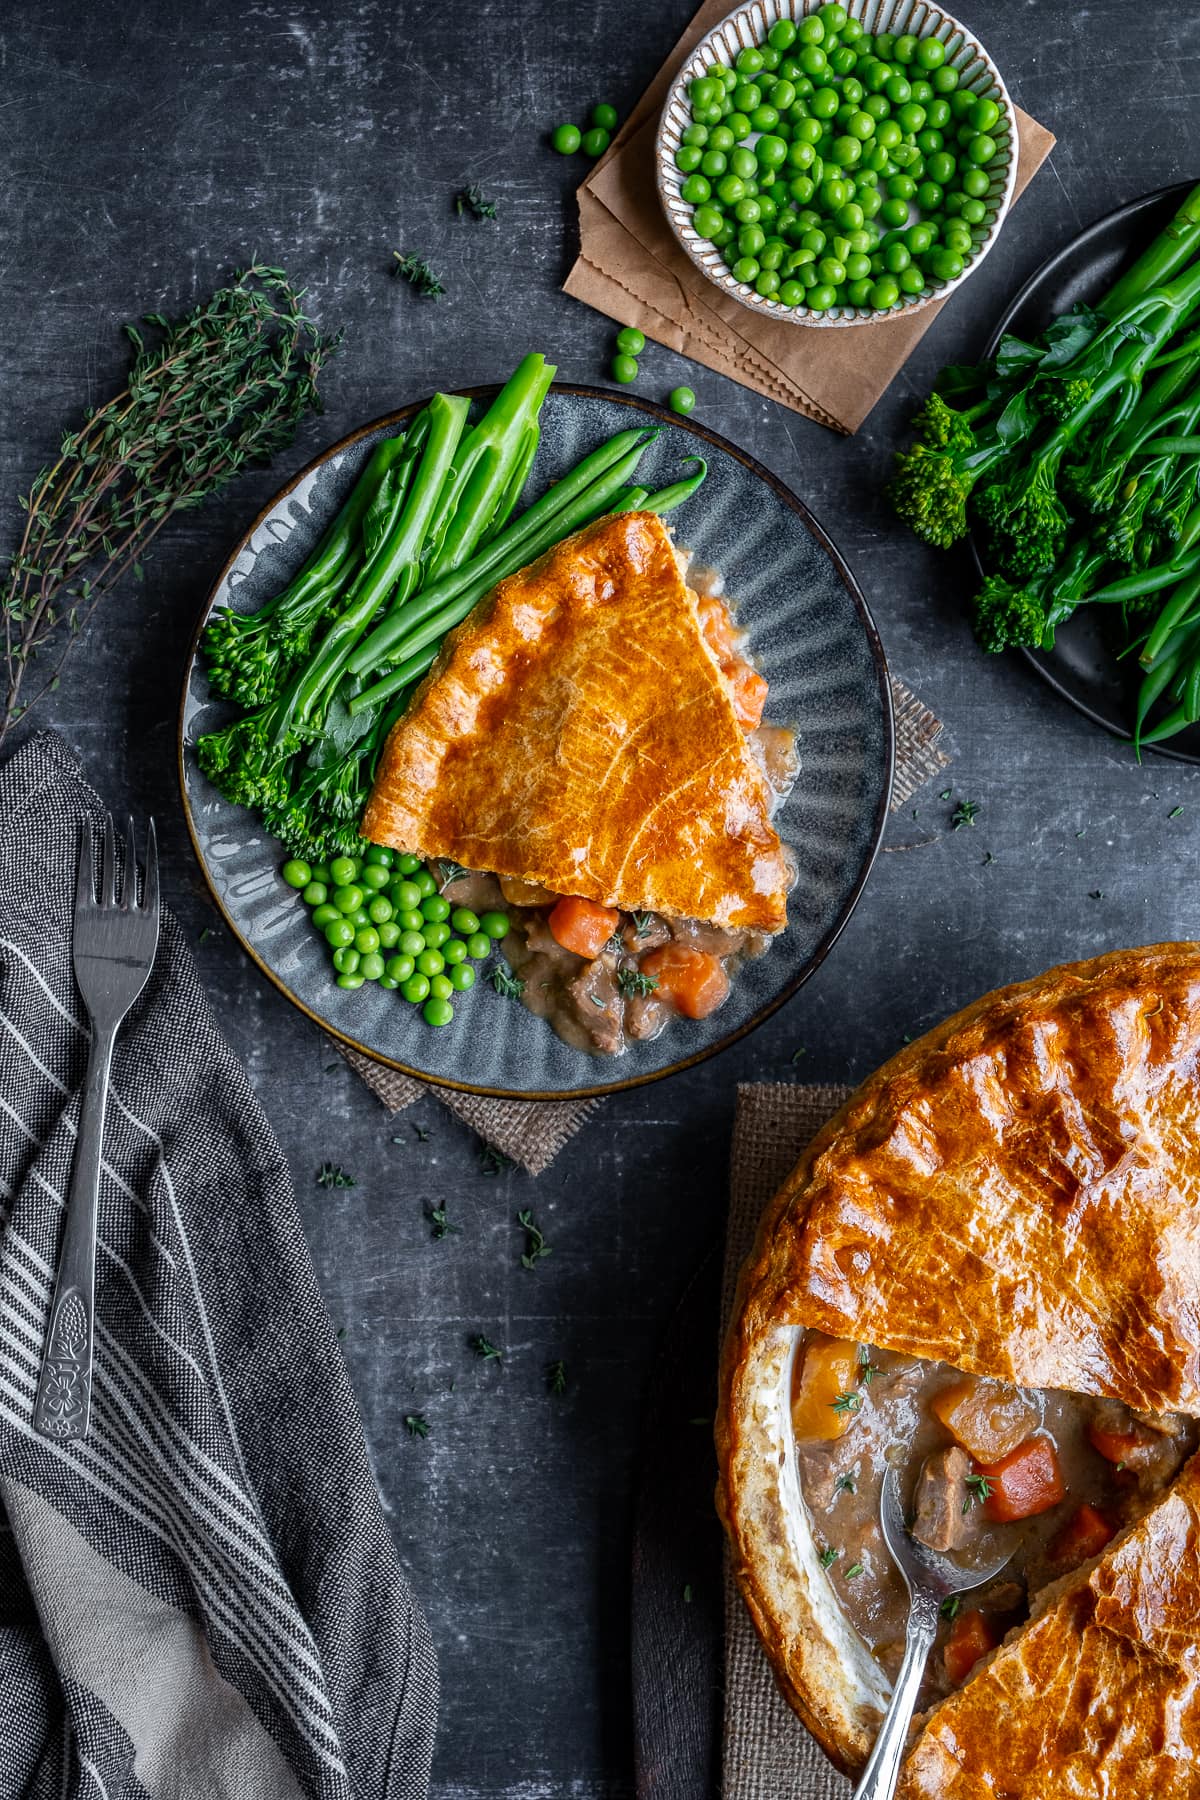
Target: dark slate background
(146, 150)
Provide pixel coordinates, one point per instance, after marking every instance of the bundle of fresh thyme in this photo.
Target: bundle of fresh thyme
(225, 385)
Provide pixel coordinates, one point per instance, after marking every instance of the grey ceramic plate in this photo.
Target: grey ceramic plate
(810, 633)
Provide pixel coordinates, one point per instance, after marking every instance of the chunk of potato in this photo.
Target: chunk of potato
(825, 1391)
(988, 1418)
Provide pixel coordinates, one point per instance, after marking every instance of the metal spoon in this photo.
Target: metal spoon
(930, 1579)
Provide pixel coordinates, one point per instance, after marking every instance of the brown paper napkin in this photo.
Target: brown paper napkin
(631, 267)
(532, 1132)
(767, 1753)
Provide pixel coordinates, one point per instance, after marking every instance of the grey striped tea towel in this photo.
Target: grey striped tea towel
(202, 1599)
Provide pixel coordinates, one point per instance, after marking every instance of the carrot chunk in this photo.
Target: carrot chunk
(988, 1418)
(825, 1392)
(749, 691)
(1083, 1536)
(693, 981)
(1115, 1446)
(1026, 1481)
(582, 926)
(971, 1636)
(717, 626)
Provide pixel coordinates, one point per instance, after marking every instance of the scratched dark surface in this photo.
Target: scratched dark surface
(144, 151)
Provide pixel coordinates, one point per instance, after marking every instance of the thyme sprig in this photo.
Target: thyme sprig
(505, 982)
(418, 274)
(484, 1348)
(535, 1244)
(224, 386)
(556, 1377)
(473, 201)
(636, 981)
(332, 1175)
(416, 1425)
(979, 1489)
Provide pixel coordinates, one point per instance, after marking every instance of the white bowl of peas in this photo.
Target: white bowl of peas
(837, 164)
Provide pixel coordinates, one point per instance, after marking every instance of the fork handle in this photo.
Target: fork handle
(64, 1401)
(883, 1765)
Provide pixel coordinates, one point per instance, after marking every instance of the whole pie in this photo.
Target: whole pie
(986, 1269)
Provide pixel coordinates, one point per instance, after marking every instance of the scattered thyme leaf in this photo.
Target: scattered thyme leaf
(493, 1161)
(535, 1244)
(852, 1571)
(422, 1134)
(1096, 894)
(556, 1377)
(829, 1556)
(597, 1002)
(965, 813)
(208, 931)
(416, 1425)
(442, 1227)
(980, 1489)
(417, 272)
(945, 793)
(845, 1484)
(473, 201)
(643, 923)
(484, 1348)
(505, 982)
(951, 1606)
(636, 981)
(687, 1593)
(797, 1054)
(847, 1403)
(988, 858)
(332, 1175)
(1174, 812)
(448, 873)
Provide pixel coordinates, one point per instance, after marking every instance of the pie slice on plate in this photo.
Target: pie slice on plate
(987, 1268)
(579, 734)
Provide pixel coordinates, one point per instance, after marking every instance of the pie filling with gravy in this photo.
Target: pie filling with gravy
(986, 1268)
(589, 751)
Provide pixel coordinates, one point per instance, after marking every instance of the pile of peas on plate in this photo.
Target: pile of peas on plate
(386, 920)
(834, 168)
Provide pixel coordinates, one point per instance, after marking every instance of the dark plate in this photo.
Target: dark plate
(812, 636)
(1082, 667)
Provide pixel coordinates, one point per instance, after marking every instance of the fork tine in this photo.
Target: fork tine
(85, 874)
(108, 876)
(150, 884)
(130, 889)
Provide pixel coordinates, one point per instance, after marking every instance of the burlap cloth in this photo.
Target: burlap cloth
(532, 1132)
(631, 267)
(767, 1753)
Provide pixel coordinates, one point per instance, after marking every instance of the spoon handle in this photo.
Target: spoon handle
(883, 1765)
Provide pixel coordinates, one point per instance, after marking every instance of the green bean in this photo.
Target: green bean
(1176, 608)
(666, 499)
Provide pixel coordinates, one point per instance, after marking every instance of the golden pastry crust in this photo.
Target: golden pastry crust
(1014, 1194)
(577, 732)
(1099, 1695)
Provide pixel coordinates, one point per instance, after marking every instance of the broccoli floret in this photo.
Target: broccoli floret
(1059, 399)
(942, 428)
(1025, 519)
(1007, 617)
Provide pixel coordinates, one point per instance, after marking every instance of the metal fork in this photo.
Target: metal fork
(113, 945)
(930, 1579)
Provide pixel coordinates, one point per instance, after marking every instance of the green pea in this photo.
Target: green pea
(408, 864)
(911, 280)
(981, 149)
(375, 877)
(945, 265)
(944, 80)
(479, 945)
(739, 125)
(325, 915)
(347, 899)
(938, 114)
(605, 117)
(441, 987)
(858, 293)
(858, 267)
(974, 212)
(929, 196)
(435, 906)
(884, 293)
(719, 138)
(712, 165)
(750, 239)
(911, 118)
(922, 92)
(315, 894)
(919, 237)
(453, 951)
(366, 939)
(412, 943)
(772, 255)
(688, 158)
(423, 880)
(296, 873)
(791, 293)
(566, 139)
(462, 977)
(343, 870)
(379, 910)
(812, 30)
(782, 34)
(430, 962)
(436, 1012)
(745, 269)
(706, 222)
(694, 136)
(416, 988)
(976, 183)
(464, 920)
(320, 872)
(681, 400)
(346, 960)
(389, 934)
(595, 141)
(371, 966)
(783, 96)
(846, 151)
(906, 47)
(771, 151)
(896, 256)
(399, 968)
(894, 213)
(350, 981)
(941, 167)
(385, 981)
(436, 933)
(624, 369)
(379, 854)
(411, 919)
(984, 113)
(359, 918)
(821, 297)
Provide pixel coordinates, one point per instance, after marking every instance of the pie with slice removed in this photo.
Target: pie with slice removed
(986, 1268)
(578, 733)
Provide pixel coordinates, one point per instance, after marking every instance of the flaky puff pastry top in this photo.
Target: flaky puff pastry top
(577, 732)
(1015, 1194)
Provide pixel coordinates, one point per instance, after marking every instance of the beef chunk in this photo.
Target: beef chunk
(596, 1002)
(941, 1500)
